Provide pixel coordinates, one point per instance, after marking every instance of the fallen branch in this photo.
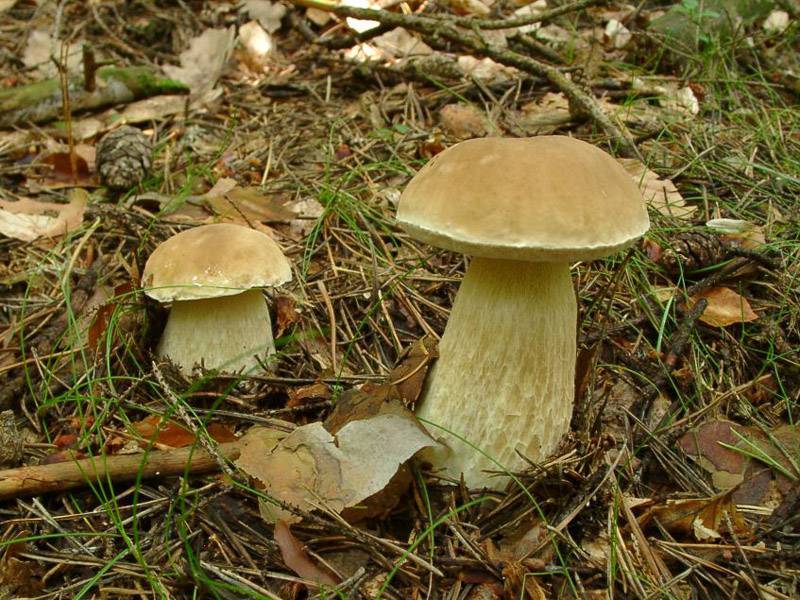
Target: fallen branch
(42, 101)
(434, 30)
(63, 476)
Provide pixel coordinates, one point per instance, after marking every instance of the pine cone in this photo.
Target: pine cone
(124, 157)
(692, 251)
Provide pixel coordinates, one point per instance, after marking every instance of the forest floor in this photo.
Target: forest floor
(681, 474)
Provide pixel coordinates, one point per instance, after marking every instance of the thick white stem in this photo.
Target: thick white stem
(504, 380)
(220, 333)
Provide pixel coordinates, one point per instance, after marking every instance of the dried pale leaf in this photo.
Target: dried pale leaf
(296, 558)
(725, 307)
(41, 46)
(776, 22)
(203, 62)
(360, 25)
(28, 219)
(149, 109)
(468, 7)
(256, 41)
(268, 14)
(399, 43)
(546, 115)
(617, 34)
(738, 232)
(485, 69)
(6, 4)
(463, 121)
(310, 467)
(534, 8)
(660, 194)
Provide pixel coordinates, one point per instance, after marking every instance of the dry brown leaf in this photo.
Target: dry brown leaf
(701, 518)
(296, 558)
(660, 194)
(463, 121)
(310, 467)
(725, 307)
(544, 116)
(28, 219)
(286, 314)
(171, 434)
(412, 369)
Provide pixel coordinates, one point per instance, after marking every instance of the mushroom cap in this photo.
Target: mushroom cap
(211, 261)
(545, 199)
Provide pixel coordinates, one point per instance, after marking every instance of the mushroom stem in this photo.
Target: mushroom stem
(221, 333)
(504, 380)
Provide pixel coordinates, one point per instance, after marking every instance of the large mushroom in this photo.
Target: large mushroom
(523, 209)
(212, 275)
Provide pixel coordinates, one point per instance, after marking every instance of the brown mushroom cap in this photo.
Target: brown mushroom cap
(546, 198)
(211, 261)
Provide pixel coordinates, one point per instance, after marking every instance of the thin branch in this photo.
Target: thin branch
(59, 477)
(436, 30)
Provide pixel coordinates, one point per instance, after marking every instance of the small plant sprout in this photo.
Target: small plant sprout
(212, 275)
(524, 210)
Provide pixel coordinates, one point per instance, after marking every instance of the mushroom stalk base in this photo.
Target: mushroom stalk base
(504, 380)
(224, 333)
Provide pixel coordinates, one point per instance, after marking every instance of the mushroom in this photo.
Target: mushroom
(523, 209)
(212, 275)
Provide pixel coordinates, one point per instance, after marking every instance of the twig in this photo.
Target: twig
(59, 477)
(436, 30)
(522, 20)
(180, 408)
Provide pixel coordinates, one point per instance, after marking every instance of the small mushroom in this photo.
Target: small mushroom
(212, 275)
(524, 209)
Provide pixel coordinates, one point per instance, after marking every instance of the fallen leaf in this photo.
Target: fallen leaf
(102, 316)
(360, 25)
(153, 429)
(286, 314)
(297, 559)
(28, 219)
(725, 307)
(149, 109)
(308, 393)
(701, 518)
(776, 22)
(485, 69)
(738, 232)
(310, 467)
(468, 7)
(268, 14)
(203, 62)
(41, 46)
(544, 116)
(617, 34)
(463, 121)
(257, 43)
(660, 194)
(412, 369)
(60, 165)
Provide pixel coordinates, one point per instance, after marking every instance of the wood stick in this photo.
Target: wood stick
(59, 477)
